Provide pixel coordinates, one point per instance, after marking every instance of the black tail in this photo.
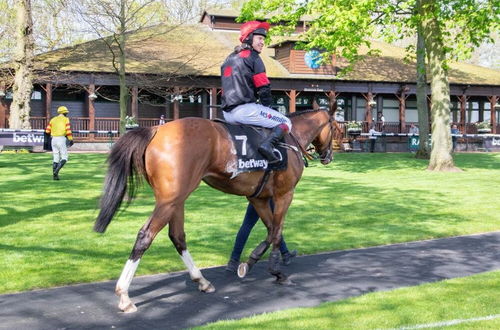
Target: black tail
(126, 163)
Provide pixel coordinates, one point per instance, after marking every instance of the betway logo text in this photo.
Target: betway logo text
(252, 163)
(27, 138)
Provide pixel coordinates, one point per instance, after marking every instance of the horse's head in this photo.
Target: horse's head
(323, 141)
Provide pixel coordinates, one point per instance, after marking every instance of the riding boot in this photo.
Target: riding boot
(267, 146)
(58, 168)
(54, 175)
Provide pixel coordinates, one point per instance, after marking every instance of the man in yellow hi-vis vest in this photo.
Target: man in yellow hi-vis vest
(59, 129)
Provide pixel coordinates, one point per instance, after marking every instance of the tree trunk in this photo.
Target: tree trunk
(423, 111)
(23, 65)
(121, 69)
(441, 158)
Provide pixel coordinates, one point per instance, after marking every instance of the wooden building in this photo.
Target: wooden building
(175, 71)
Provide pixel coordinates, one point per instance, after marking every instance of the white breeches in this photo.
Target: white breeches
(258, 115)
(59, 149)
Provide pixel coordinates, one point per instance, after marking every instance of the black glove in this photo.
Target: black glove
(70, 143)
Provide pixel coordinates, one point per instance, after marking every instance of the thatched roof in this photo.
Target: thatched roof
(198, 50)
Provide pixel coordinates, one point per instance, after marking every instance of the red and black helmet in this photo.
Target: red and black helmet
(248, 30)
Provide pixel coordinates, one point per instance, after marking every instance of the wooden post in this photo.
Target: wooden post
(493, 118)
(463, 101)
(134, 106)
(368, 108)
(292, 99)
(3, 105)
(91, 111)
(48, 101)
(402, 110)
(213, 103)
(176, 103)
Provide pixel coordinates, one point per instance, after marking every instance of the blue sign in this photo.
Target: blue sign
(312, 59)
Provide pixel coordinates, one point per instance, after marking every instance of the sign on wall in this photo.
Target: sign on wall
(21, 139)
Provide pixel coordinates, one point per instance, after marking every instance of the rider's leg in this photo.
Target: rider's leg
(259, 115)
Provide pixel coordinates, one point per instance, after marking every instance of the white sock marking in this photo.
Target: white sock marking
(127, 274)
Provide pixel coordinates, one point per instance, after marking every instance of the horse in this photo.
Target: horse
(175, 157)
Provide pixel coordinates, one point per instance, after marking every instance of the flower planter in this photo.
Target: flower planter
(354, 131)
(484, 130)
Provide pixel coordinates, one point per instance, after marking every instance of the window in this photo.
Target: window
(390, 109)
(411, 112)
(36, 95)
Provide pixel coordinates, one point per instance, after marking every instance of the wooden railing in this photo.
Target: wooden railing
(113, 124)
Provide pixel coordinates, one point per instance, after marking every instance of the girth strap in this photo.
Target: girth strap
(262, 183)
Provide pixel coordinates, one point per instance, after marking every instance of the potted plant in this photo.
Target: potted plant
(130, 123)
(483, 126)
(354, 127)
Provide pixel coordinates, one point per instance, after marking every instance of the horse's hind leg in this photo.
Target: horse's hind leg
(145, 237)
(178, 238)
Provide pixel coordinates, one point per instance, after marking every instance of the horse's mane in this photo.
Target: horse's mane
(299, 113)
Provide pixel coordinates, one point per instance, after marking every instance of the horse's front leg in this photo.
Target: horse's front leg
(178, 238)
(263, 208)
(145, 237)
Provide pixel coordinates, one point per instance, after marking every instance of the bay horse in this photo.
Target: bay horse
(174, 158)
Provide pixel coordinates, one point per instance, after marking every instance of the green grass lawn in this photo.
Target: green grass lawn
(359, 200)
(463, 303)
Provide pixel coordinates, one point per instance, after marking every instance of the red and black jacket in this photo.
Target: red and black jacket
(244, 79)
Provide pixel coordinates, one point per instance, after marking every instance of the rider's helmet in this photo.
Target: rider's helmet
(249, 29)
(62, 109)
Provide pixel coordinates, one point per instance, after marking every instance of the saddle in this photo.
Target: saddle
(247, 139)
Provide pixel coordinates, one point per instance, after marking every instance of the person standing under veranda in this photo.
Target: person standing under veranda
(59, 129)
(372, 136)
(244, 83)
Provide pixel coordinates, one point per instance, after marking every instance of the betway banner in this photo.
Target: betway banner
(21, 139)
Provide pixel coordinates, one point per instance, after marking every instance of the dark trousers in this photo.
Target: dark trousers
(372, 145)
(251, 218)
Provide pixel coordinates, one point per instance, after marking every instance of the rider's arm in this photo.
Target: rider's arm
(262, 83)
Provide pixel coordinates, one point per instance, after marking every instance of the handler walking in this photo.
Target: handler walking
(59, 129)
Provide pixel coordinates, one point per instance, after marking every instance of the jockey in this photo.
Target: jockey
(244, 81)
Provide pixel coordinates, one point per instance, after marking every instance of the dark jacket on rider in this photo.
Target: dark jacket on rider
(244, 79)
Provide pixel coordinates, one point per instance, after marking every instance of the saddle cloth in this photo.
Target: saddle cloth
(247, 140)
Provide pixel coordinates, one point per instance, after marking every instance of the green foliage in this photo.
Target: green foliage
(46, 225)
(342, 27)
(354, 124)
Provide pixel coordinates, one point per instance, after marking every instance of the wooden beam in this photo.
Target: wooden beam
(368, 108)
(292, 99)
(493, 118)
(176, 103)
(48, 101)
(134, 106)
(91, 110)
(463, 102)
(213, 103)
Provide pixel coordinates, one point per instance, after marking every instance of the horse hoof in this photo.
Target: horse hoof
(285, 281)
(209, 288)
(130, 308)
(242, 270)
